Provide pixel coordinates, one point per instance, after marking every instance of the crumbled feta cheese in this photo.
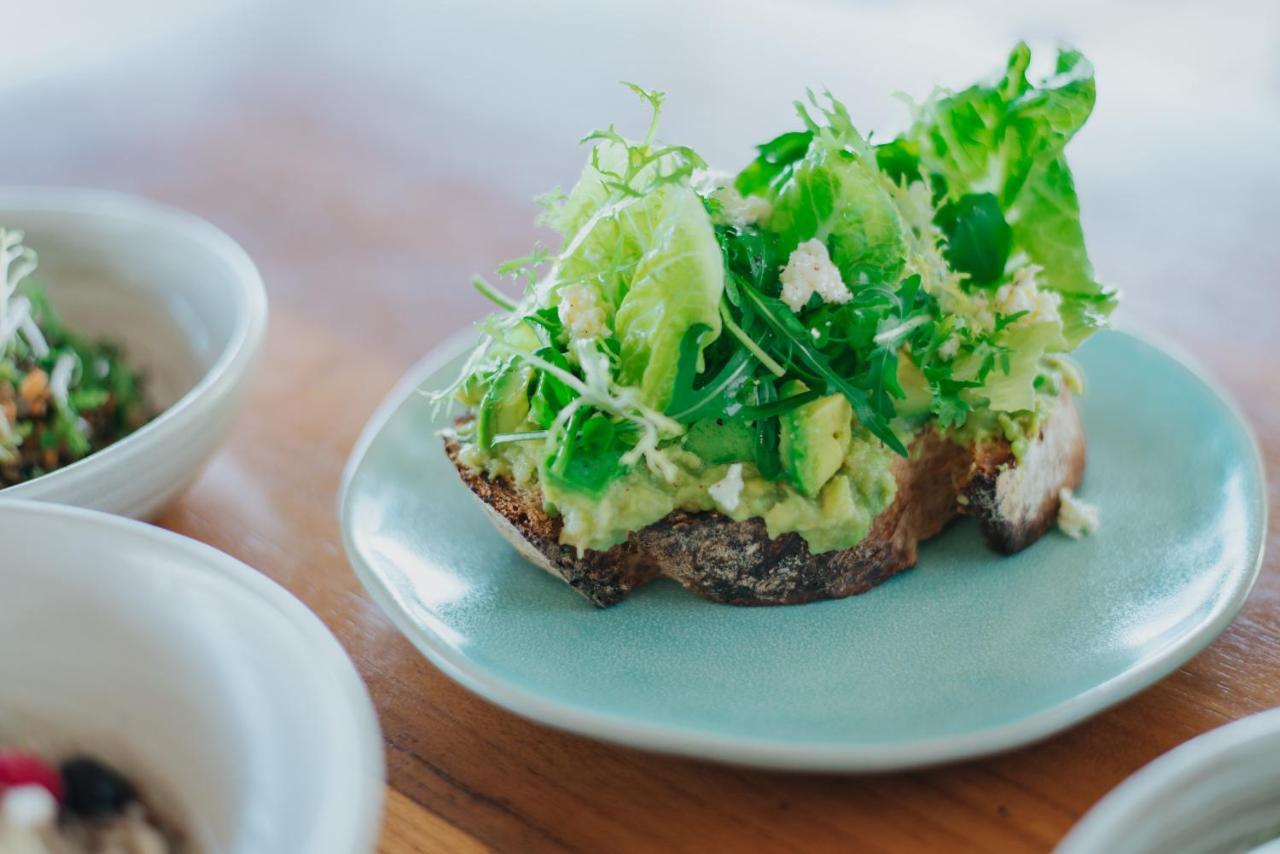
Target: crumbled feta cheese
(737, 209)
(810, 270)
(581, 312)
(1076, 518)
(1023, 293)
(949, 348)
(727, 492)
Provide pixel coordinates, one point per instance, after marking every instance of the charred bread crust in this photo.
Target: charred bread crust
(738, 563)
(1015, 502)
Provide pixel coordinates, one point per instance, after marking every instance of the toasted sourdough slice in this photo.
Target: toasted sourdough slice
(738, 563)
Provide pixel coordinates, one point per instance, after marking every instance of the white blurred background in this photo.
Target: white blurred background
(398, 143)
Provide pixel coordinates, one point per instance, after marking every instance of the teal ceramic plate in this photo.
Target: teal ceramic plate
(967, 654)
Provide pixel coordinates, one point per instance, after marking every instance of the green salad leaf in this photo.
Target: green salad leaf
(1005, 138)
(639, 237)
(776, 161)
(978, 238)
(836, 194)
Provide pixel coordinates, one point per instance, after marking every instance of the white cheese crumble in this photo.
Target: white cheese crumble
(737, 209)
(949, 348)
(581, 312)
(810, 270)
(727, 492)
(1023, 293)
(1076, 518)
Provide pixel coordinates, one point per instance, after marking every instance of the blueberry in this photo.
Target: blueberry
(94, 790)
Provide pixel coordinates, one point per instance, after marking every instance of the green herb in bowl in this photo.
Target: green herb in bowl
(62, 396)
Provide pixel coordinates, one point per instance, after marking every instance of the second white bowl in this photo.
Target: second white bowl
(221, 694)
(1219, 792)
(190, 310)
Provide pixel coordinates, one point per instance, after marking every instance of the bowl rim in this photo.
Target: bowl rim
(226, 371)
(344, 688)
(1141, 796)
(770, 754)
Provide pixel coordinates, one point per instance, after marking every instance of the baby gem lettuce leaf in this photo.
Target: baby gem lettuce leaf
(1005, 139)
(714, 397)
(677, 284)
(1012, 389)
(642, 239)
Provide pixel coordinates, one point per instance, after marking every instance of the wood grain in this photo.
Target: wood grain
(371, 159)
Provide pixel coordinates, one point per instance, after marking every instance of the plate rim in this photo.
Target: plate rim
(837, 756)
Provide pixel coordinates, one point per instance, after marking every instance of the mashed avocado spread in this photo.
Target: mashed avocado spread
(837, 517)
(767, 344)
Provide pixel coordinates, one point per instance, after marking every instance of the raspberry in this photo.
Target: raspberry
(20, 768)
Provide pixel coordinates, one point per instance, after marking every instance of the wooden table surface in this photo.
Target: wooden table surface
(372, 157)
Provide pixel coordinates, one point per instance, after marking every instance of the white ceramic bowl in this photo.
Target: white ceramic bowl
(1219, 792)
(218, 691)
(187, 304)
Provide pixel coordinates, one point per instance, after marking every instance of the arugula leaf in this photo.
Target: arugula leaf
(799, 351)
(899, 159)
(978, 238)
(776, 157)
(590, 455)
(768, 431)
(835, 193)
(722, 440)
(752, 253)
(715, 397)
(778, 407)
(550, 395)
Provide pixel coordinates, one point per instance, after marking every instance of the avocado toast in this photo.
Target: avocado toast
(770, 387)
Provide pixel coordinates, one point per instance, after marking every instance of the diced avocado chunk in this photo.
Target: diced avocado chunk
(815, 439)
(521, 335)
(722, 440)
(505, 404)
(919, 397)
